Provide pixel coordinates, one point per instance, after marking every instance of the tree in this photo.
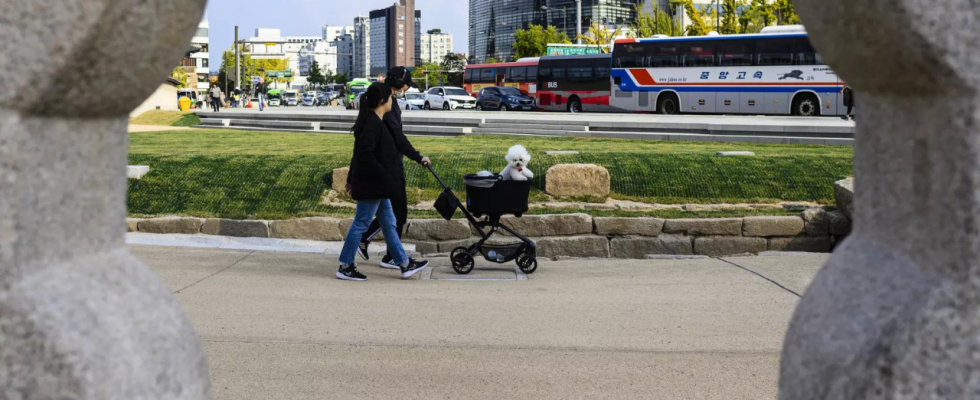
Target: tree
(786, 13)
(453, 62)
(179, 75)
(427, 74)
(248, 67)
(434, 31)
(658, 22)
(600, 36)
(315, 77)
(729, 20)
(702, 19)
(533, 41)
(273, 64)
(341, 79)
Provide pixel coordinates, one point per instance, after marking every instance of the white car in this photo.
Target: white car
(448, 98)
(412, 101)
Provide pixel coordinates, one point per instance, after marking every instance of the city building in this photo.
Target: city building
(196, 62)
(362, 48)
(434, 46)
(331, 32)
(344, 44)
(394, 36)
(299, 50)
(493, 22)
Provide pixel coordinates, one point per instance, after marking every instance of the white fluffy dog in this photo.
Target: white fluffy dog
(516, 170)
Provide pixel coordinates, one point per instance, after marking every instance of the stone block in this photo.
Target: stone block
(772, 226)
(817, 222)
(437, 229)
(339, 181)
(424, 247)
(550, 225)
(641, 247)
(720, 246)
(323, 229)
(844, 195)
(840, 225)
(705, 226)
(629, 226)
(575, 246)
(181, 225)
(810, 244)
(235, 228)
(137, 172)
(450, 245)
(577, 180)
(132, 224)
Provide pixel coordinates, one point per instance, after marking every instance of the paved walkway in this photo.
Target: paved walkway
(279, 326)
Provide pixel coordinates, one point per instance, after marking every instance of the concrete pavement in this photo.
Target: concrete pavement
(279, 326)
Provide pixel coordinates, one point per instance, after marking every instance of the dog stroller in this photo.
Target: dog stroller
(489, 197)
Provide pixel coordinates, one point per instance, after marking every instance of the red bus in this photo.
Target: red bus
(574, 83)
(522, 75)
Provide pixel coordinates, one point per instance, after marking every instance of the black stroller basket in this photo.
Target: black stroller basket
(492, 198)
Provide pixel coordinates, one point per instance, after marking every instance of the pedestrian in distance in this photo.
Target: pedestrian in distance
(399, 79)
(848, 95)
(215, 97)
(376, 175)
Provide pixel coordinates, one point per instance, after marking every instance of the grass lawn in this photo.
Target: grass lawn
(268, 175)
(167, 118)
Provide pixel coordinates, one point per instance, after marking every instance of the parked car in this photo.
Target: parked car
(448, 98)
(309, 100)
(291, 97)
(323, 98)
(503, 98)
(412, 101)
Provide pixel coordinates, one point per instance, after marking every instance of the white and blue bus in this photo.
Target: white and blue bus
(775, 72)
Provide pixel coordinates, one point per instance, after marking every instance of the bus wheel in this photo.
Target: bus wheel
(669, 104)
(806, 105)
(574, 105)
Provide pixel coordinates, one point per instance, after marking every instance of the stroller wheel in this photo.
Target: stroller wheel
(457, 251)
(463, 262)
(527, 262)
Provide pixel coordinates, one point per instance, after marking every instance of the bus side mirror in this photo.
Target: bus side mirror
(619, 80)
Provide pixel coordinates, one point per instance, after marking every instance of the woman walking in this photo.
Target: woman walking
(374, 178)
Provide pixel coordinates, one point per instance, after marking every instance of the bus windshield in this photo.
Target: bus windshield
(354, 90)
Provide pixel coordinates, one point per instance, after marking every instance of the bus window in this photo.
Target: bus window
(517, 74)
(486, 75)
(601, 68)
(805, 53)
(544, 73)
(580, 72)
(663, 55)
(468, 76)
(532, 74)
(558, 73)
(700, 54)
(736, 53)
(630, 55)
(776, 52)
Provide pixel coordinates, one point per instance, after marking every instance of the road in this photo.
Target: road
(278, 326)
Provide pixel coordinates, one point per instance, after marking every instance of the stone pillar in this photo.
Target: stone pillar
(895, 313)
(80, 316)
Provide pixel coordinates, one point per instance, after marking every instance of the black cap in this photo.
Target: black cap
(401, 73)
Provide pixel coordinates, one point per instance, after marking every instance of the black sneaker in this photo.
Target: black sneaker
(388, 262)
(350, 274)
(362, 250)
(413, 267)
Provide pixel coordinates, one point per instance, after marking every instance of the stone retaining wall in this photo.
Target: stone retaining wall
(565, 235)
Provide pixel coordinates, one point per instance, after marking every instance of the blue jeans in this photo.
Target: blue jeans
(366, 211)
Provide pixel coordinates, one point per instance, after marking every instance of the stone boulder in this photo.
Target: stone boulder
(772, 226)
(844, 194)
(577, 180)
(629, 226)
(840, 225)
(705, 226)
(437, 229)
(575, 246)
(817, 222)
(809, 244)
(235, 228)
(180, 225)
(550, 225)
(339, 181)
(729, 246)
(323, 229)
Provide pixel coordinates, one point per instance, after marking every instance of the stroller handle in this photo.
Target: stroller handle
(444, 186)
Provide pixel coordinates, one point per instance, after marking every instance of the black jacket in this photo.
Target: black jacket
(376, 170)
(393, 120)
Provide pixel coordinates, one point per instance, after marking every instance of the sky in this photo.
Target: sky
(307, 18)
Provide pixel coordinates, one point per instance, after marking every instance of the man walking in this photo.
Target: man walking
(215, 97)
(399, 79)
